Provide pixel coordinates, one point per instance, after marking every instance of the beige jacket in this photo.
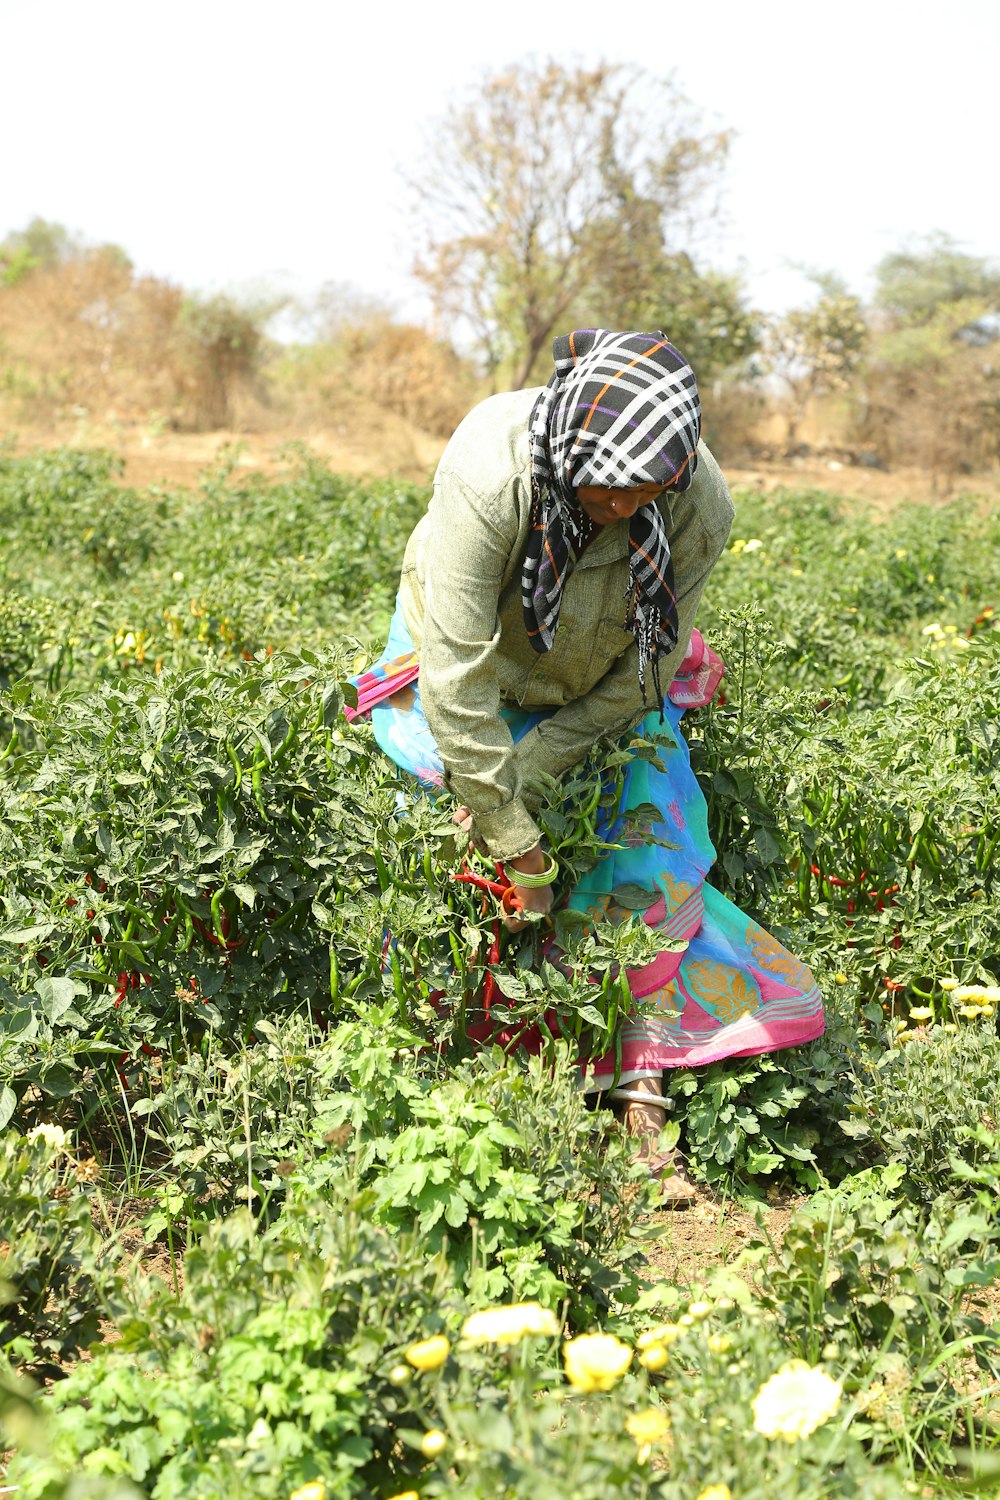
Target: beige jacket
(460, 593)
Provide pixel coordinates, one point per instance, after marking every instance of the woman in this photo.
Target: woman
(546, 598)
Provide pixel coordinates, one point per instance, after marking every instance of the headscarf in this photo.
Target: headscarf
(621, 409)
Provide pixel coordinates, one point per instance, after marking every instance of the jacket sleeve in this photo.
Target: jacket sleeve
(469, 549)
(614, 705)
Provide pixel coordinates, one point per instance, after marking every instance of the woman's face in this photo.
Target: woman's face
(605, 506)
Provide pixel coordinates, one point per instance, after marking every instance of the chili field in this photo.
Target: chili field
(286, 1212)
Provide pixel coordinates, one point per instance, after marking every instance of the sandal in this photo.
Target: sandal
(643, 1116)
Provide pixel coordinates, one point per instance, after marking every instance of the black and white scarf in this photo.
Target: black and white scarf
(621, 409)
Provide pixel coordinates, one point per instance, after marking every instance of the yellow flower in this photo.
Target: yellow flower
(433, 1442)
(314, 1490)
(654, 1358)
(716, 1492)
(948, 984)
(429, 1354)
(839, 978)
(595, 1361)
(53, 1135)
(508, 1325)
(699, 1310)
(968, 992)
(406, 1495)
(950, 1028)
(646, 1428)
(921, 1013)
(968, 1011)
(986, 1010)
(718, 1343)
(992, 993)
(795, 1401)
(663, 1333)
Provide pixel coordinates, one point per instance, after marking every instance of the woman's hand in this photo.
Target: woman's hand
(532, 898)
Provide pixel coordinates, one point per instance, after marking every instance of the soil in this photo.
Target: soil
(713, 1232)
(381, 445)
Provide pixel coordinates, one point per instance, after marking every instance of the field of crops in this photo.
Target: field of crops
(273, 1225)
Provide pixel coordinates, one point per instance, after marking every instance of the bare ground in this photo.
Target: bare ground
(378, 444)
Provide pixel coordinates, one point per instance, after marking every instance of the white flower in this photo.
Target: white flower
(508, 1325)
(795, 1401)
(53, 1135)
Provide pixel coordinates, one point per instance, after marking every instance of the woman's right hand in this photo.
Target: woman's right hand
(534, 898)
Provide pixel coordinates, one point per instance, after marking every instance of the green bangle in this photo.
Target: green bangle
(534, 882)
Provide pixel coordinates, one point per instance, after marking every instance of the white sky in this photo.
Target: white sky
(225, 141)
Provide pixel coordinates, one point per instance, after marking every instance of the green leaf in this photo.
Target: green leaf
(634, 897)
(27, 934)
(56, 995)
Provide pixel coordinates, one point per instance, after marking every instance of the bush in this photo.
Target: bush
(55, 1274)
(930, 1101)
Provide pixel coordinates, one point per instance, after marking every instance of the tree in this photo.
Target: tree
(818, 350)
(219, 342)
(933, 382)
(913, 284)
(557, 194)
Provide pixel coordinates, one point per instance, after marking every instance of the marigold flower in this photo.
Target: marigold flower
(795, 1401)
(967, 992)
(968, 1011)
(646, 1428)
(663, 1333)
(949, 1027)
(433, 1442)
(53, 1135)
(654, 1358)
(595, 1361)
(948, 984)
(509, 1325)
(314, 1490)
(716, 1492)
(428, 1354)
(986, 1010)
(921, 1013)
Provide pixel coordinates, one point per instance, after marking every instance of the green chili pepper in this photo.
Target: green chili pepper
(217, 916)
(334, 976)
(256, 774)
(234, 761)
(397, 981)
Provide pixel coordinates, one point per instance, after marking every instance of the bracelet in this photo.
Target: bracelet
(534, 882)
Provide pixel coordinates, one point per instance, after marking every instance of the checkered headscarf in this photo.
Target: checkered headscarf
(621, 409)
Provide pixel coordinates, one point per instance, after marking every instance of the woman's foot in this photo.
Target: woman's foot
(644, 1117)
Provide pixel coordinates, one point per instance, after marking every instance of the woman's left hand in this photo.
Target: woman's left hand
(462, 818)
